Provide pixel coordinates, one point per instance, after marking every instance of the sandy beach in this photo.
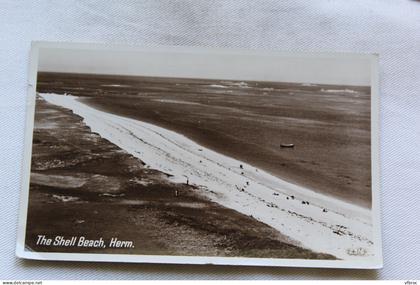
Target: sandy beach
(297, 212)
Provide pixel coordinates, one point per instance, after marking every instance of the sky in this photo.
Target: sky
(339, 69)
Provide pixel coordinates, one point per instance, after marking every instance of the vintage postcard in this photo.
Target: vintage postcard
(198, 156)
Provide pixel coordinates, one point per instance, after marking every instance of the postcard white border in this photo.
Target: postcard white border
(374, 263)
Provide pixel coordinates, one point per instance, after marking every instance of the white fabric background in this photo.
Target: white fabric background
(390, 28)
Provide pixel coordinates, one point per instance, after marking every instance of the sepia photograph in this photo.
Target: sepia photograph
(194, 155)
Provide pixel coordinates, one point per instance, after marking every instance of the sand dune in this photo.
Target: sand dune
(343, 230)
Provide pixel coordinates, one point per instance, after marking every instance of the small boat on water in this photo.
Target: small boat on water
(287, 145)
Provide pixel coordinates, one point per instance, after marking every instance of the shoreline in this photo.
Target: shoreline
(260, 198)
